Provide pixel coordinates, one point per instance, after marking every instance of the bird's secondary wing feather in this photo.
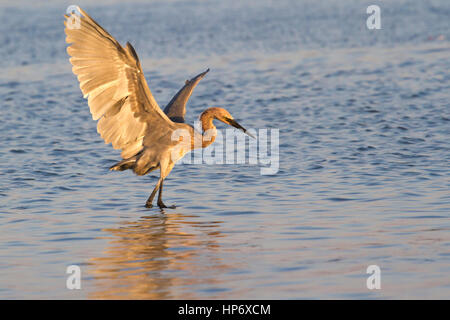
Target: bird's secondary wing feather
(176, 109)
(111, 78)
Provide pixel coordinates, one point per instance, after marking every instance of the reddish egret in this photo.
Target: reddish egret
(129, 118)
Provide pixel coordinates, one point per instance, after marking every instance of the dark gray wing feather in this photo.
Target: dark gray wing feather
(176, 109)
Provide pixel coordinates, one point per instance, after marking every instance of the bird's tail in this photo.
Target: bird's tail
(124, 164)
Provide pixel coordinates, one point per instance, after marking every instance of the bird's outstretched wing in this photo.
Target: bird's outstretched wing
(111, 78)
(176, 109)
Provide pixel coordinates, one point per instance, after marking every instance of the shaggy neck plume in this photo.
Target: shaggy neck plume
(208, 128)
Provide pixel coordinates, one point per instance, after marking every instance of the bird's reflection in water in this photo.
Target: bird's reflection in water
(159, 257)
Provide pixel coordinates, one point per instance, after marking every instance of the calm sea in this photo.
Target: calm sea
(363, 179)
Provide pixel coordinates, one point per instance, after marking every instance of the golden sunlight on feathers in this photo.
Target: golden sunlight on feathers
(129, 118)
(112, 79)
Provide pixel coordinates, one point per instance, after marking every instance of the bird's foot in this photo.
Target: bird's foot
(162, 206)
(148, 205)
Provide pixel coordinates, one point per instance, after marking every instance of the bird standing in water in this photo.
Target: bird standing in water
(129, 118)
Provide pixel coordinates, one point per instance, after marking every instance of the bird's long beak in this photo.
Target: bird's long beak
(233, 123)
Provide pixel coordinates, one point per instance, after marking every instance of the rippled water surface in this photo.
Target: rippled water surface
(364, 120)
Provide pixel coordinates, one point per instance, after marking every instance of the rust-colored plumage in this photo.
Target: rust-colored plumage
(129, 118)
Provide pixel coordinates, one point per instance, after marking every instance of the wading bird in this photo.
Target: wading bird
(129, 118)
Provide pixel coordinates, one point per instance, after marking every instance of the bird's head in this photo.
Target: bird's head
(224, 116)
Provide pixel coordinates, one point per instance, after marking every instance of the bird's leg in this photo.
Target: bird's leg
(160, 202)
(149, 204)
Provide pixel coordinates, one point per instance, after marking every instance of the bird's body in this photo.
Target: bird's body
(177, 142)
(129, 118)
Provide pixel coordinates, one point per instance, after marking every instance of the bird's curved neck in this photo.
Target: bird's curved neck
(209, 131)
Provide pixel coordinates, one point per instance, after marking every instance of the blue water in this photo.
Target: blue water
(363, 179)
